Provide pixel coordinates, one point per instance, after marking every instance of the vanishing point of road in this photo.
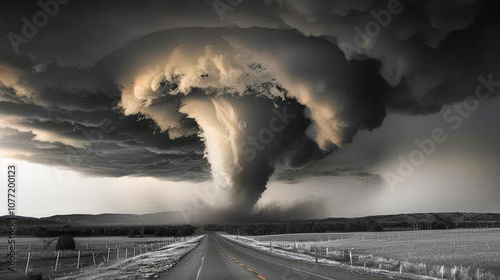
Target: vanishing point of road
(217, 258)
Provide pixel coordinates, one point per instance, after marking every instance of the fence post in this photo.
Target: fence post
(57, 261)
(126, 252)
(78, 261)
(27, 264)
(108, 254)
(327, 251)
(401, 267)
(93, 257)
(117, 253)
(316, 254)
(134, 251)
(350, 256)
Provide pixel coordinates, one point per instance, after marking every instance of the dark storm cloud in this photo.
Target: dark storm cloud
(126, 87)
(122, 156)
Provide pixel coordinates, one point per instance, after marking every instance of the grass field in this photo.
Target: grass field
(475, 252)
(93, 251)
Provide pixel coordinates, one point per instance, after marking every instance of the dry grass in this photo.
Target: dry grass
(42, 258)
(449, 254)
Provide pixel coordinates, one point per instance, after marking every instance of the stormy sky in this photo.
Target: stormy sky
(252, 108)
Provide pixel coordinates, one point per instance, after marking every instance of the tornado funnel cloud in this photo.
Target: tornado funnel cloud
(244, 138)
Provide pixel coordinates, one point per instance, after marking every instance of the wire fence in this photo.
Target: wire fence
(35, 259)
(354, 257)
(462, 254)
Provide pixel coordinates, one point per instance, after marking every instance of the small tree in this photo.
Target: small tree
(65, 242)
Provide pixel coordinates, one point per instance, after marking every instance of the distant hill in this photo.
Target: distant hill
(403, 222)
(384, 222)
(161, 218)
(428, 220)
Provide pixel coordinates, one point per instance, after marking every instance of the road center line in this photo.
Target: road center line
(297, 269)
(236, 261)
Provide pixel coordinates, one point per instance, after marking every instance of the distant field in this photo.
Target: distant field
(469, 248)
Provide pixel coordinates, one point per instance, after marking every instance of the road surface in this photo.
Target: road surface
(217, 258)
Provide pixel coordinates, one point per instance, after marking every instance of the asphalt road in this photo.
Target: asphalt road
(217, 258)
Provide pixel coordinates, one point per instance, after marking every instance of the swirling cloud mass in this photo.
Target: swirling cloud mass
(233, 92)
